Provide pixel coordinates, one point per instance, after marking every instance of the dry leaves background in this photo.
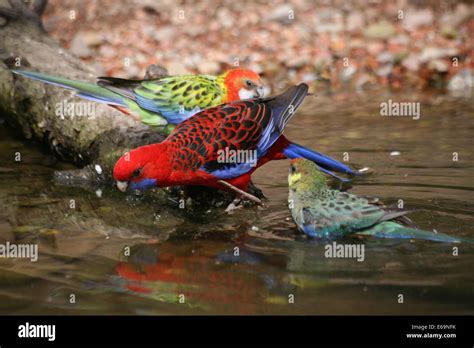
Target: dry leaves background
(330, 44)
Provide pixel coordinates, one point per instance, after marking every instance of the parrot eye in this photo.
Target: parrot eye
(136, 173)
(293, 168)
(249, 83)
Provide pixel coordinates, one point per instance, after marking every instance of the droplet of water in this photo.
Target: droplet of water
(98, 169)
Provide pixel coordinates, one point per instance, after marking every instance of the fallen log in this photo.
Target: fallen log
(32, 107)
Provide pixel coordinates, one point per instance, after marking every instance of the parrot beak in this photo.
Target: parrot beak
(122, 185)
(260, 92)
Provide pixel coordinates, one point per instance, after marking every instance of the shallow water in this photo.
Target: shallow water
(83, 250)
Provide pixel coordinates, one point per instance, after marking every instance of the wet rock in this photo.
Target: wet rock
(78, 177)
(382, 30)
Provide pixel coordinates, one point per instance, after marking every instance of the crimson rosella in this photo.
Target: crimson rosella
(192, 153)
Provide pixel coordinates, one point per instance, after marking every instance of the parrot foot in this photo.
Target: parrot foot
(234, 205)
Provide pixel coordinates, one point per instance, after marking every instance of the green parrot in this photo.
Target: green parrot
(327, 214)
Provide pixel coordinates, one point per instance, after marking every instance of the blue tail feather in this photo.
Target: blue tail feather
(99, 99)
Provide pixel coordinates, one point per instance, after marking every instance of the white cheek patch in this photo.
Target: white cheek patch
(246, 94)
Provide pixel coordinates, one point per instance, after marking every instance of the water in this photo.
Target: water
(113, 254)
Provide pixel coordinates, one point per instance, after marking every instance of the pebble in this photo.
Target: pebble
(354, 21)
(431, 53)
(438, 65)
(281, 14)
(79, 47)
(462, 84)
(347, 73)
(382, 30)
(98, 169)
(414, 19)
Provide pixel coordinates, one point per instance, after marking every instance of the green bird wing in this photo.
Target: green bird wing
(338, 213)
(177, 98)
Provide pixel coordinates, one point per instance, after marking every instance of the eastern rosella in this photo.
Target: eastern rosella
(163, 100)
(326, 214)
(190, 155)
